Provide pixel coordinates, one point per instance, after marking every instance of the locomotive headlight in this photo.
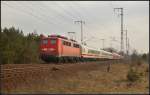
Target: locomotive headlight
(44, 49)
(51, 49)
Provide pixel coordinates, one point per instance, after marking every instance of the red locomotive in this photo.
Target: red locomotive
(56, 48)
(60, 48)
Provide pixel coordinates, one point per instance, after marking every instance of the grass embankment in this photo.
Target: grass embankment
(87, 78)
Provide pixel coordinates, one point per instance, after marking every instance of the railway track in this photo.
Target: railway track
(12, 71)
(53, 64)
(26, 68)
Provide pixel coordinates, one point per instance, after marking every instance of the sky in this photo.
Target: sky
(101, 21)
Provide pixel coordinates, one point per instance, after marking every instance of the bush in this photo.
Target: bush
(133, 75)
(139, 63)
(141, 74)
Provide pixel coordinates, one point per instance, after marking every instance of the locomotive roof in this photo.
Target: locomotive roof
(62, 37)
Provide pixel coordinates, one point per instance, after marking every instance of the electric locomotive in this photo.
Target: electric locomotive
(59, 48)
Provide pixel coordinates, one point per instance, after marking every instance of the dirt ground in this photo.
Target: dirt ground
(71, 78)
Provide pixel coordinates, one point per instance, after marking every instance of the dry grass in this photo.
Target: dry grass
(85, 79)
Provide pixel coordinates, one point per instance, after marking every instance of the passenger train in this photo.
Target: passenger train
(61, 49)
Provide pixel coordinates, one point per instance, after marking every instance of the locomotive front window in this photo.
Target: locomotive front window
(53, 41)
(45, 41)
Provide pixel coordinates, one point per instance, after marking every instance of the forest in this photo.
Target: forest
(15, 47)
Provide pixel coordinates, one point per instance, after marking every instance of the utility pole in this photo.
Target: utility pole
(103, 42)
(128, 47)
(121, 13)
(126, 43)
(72, 35)
(81, 22)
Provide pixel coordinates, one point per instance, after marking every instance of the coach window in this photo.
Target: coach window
(76, 45)
(69, 44)
(66, 43)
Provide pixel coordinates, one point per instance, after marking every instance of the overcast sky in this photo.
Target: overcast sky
(101, 22)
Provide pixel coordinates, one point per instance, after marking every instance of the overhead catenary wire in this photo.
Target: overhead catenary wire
(44, 15)
(56, 19)
(66, 20)
(38, 17)
(29, 13)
